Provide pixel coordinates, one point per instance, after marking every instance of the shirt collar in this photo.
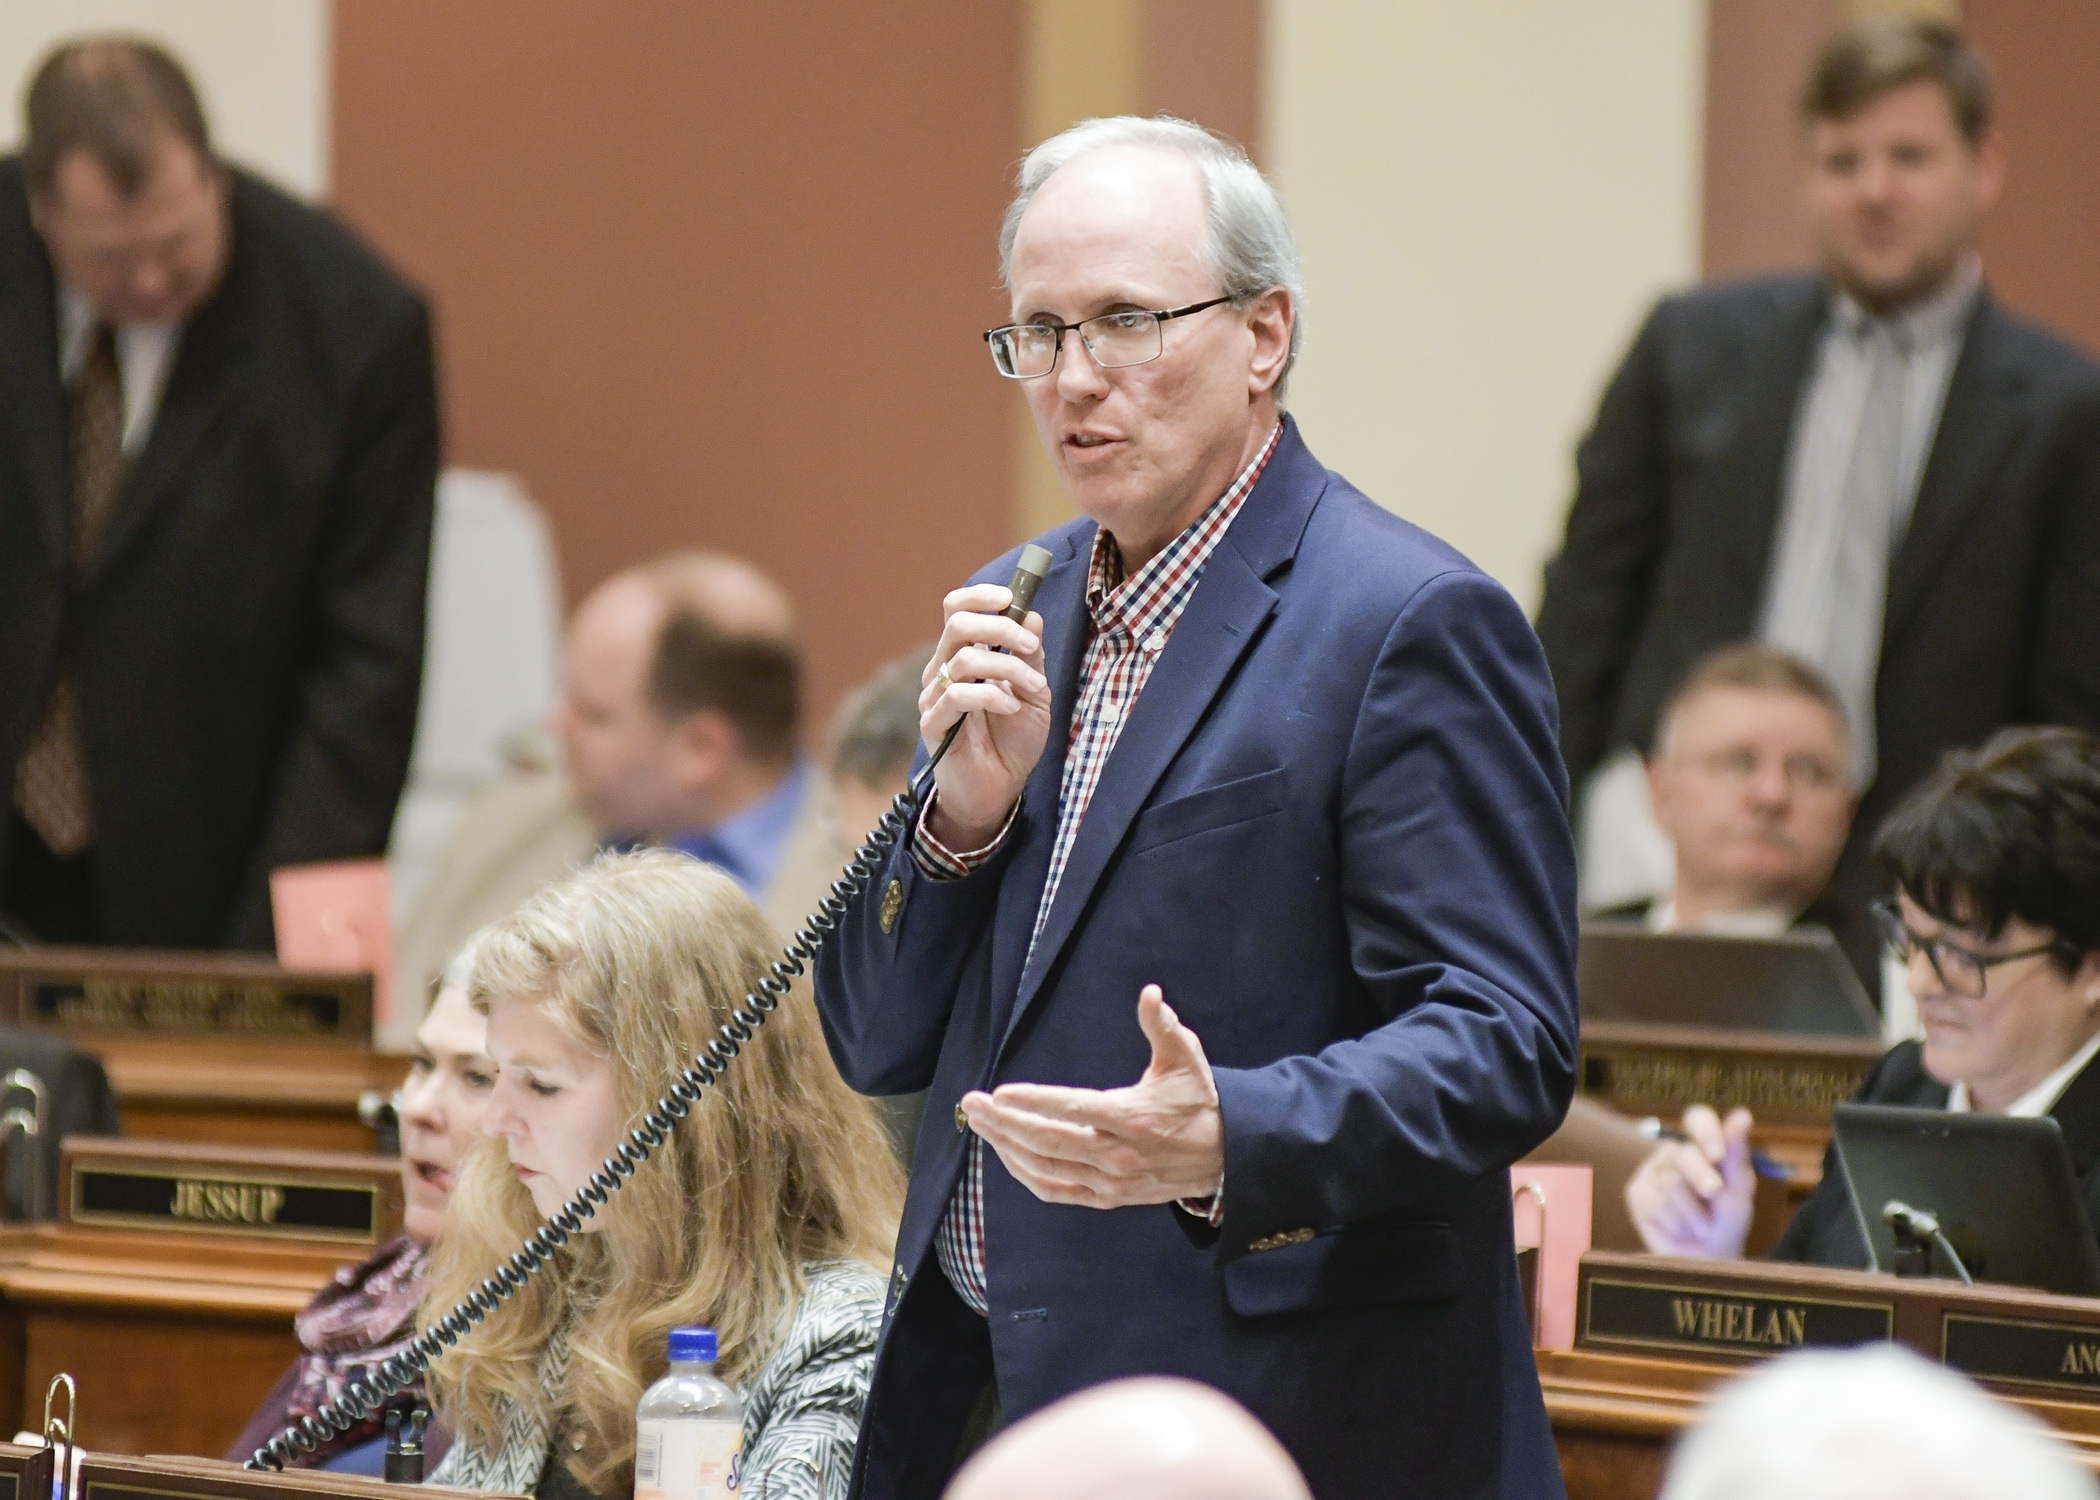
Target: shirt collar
(1155, 594)
(748, 843)
(1936, 318)
(1758, 921)
(2040, 1099)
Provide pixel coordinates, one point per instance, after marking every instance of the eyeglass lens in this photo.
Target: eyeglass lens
(1113, 339)
(1954, 967)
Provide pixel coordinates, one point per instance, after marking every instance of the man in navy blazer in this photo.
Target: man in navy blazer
(1284, 761)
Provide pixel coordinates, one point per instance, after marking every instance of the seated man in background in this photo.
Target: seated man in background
(1996, 864)
(681, 703)
(1866, 1424)
(368, 1312)
(1749, 781)
(1146, 1438)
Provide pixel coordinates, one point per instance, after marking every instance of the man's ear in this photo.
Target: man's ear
(1659, 788)
(704, 742)
(1270, 318)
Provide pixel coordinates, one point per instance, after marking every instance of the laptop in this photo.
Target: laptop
(2001, 1188)
(1798, 982)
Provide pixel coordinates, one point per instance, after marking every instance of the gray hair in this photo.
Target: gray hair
(1249, 244)
(1865, 1424)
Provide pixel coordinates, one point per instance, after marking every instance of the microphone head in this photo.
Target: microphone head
(1034, 562)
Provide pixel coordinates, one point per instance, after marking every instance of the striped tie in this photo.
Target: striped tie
(51, 782)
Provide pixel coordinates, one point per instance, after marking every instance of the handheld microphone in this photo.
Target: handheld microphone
(1029, 571)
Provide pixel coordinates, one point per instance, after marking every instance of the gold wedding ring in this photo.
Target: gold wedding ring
(942, 680)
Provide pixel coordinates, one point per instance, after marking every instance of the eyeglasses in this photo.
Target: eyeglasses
(1803, 773)
(1962, 970)
(1024, 351)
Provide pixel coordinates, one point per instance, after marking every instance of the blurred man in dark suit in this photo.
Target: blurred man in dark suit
(1876, 467)
(218, 455)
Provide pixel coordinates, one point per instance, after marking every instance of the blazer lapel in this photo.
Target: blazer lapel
(33, 397)
(2077, 1111)
(1223, 618)
(1756, 464)
(1062, 601)
(1981, 417)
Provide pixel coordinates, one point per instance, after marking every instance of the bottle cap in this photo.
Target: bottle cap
(692, 1343)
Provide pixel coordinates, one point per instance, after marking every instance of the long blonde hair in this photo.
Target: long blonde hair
(640, 957)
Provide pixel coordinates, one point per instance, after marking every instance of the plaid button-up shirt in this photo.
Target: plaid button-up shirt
(1129, 623)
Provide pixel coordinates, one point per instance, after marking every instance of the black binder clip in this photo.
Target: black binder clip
(404, 1444)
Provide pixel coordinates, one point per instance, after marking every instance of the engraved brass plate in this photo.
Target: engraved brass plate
(1720, 1320)
(197, 1006)
(208, 1201)
(2064, 1356)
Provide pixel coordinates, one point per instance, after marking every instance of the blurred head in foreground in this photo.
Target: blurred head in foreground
(1877, 1423)
(1143, 1439)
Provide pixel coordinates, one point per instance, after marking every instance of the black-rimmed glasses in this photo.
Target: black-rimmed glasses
(1962, 970)
(1024, 351)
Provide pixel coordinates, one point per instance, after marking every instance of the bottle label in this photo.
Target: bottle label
(683, 1460)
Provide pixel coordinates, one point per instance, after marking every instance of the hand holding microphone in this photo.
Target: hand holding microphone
(985, 690)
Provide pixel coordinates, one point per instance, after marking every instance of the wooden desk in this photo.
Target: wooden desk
(1616, 1413)
(244, 1093)
(169, 1284)
(212, 1046)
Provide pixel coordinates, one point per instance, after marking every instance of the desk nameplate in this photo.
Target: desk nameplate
(1722, 1320)
(106, 1476)
(2061, 1356)
(191, 1188)
(1661, 1070)
(206, 996)
(274, 1205)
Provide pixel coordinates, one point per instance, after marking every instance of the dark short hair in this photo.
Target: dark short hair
(2011, 830)
(878, 727)
(115, 98)
(1758, 668)
(1878, 53)
(753, 682)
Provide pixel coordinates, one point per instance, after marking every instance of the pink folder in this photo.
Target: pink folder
(334, 917)
(1551, 1205)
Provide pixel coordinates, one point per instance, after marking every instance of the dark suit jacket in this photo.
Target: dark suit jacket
(1825, 1231)
(1994, 596)
(248, 641)
(1335, 830)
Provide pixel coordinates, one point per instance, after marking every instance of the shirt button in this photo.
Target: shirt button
(1156, 641)
(962, 1121)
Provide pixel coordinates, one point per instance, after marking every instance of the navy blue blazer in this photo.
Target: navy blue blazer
(1335, 831)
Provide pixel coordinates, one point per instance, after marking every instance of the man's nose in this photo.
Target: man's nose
(1768, 785)
(1922, 977)
(1079, 378)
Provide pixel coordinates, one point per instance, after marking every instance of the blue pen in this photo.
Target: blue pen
(1763, 1165)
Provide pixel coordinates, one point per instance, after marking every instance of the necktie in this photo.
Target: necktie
(51, 782)
(1833, 588)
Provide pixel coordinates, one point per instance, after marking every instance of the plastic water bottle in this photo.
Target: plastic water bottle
(689, 1429)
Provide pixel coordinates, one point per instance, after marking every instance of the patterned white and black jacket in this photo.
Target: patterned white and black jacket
(801, 1411)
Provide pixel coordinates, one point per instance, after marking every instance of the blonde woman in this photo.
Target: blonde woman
(768, 1215)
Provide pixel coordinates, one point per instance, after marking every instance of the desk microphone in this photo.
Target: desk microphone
(1917, 1226)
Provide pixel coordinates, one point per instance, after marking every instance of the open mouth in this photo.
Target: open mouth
(1087, 440)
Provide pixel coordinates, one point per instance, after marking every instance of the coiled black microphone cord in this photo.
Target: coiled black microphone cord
(366, 1397)
(363, 1398)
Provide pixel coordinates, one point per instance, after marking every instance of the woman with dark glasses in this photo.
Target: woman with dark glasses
(1995, 862)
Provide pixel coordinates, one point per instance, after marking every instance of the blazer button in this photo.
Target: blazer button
(892, 903)
(962, 1121)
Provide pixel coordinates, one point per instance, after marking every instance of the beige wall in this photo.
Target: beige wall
(261, 65)
(1488, 196)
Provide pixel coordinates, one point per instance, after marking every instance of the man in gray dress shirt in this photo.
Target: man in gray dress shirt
(1873, 466)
